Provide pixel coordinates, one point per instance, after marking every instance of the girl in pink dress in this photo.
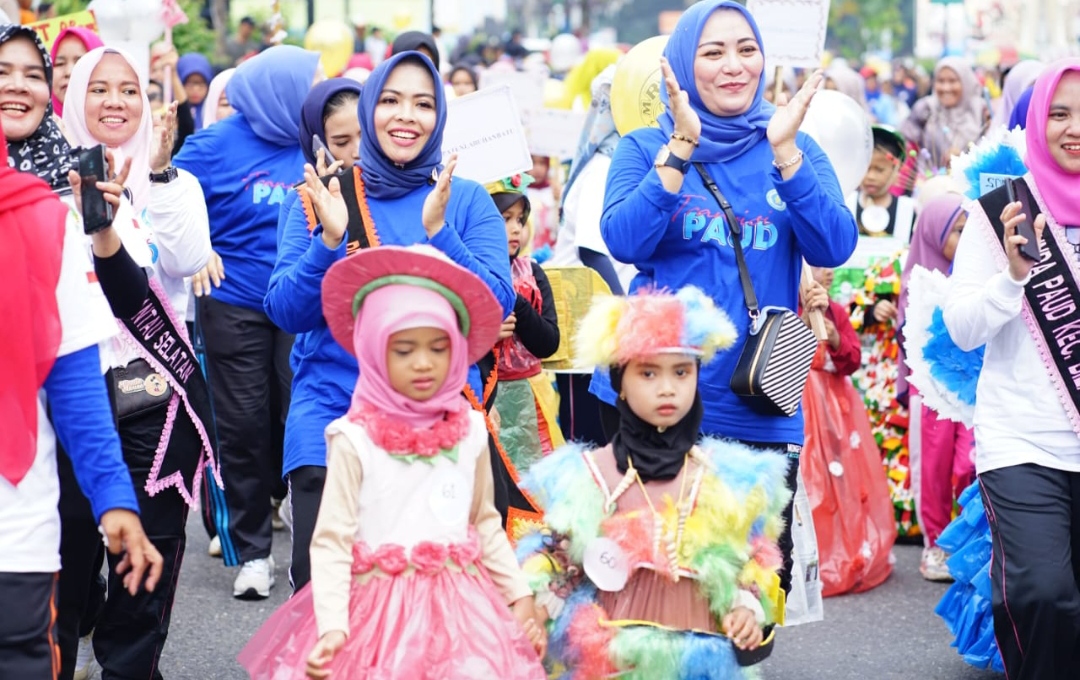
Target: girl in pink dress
(413, 577)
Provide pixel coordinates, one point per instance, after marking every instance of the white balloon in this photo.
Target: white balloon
(841, 127)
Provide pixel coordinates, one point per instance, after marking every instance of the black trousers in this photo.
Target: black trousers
(247, 363)
(130, 632)
(579, 410)
(1034, 516)
(306, 483)
(27, 628)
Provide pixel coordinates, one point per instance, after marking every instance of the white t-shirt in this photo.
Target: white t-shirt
(581, 225)
(29, 519)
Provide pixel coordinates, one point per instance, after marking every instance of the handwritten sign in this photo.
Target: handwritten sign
(49, 29)
(793, 30)
(554, 132)
(606, 565)
(484, 129)
(527, 86)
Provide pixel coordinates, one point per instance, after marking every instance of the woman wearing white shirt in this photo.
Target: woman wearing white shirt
(158, 390)
(1027, 423)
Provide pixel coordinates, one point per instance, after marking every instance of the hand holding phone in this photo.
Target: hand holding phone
(93, 168)
(1017, 190)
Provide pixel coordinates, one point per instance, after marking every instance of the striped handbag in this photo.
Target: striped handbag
(775, 362)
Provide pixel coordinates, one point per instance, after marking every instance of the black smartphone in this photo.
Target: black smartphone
(1017, 190)
(94, 168)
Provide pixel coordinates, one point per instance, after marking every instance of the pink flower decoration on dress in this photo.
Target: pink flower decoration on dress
(363, 559)
(466, 552)
(391, 559)
(429, 557)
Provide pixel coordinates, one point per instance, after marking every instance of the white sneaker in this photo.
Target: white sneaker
(255, 580)
(215, 547)
(933, 567)
(85, 663)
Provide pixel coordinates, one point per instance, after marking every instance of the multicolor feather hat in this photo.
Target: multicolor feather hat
(617, 329)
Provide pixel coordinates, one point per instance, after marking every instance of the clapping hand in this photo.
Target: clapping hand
(789, 116)
(433, 214)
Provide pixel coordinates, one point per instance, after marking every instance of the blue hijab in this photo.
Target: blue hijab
(313, 112)
(722, 137)
(1020, 111)
(187, 66)
(382, 178)
(268, 90)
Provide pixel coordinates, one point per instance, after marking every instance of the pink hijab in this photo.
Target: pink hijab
(1057, 187)
(138, 148)
(932, 229)
(385, 312)
(90, 39)
(213, 95)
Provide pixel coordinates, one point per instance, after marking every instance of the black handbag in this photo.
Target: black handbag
(775, 361)
(136, 389)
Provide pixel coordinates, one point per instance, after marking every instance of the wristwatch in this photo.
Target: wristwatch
(165, 176)
(666, 159)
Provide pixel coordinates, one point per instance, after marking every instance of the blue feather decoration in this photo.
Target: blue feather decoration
(955, 369)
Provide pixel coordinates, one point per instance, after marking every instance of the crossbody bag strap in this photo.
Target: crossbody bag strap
(735, 229)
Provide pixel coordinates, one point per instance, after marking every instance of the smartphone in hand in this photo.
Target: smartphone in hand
(94, 168)
(316, 144)
(1018, 190)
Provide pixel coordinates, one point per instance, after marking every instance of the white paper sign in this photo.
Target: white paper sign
(606, 564)
(528, 86)
(554, 132)
(485, 130)
(793, 30)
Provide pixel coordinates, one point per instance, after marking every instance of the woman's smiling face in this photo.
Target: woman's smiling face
(405, 114)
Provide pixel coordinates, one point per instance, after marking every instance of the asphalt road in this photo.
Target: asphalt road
(890, 632)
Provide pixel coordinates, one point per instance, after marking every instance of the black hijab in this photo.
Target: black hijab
(656, 455)
(45, 153)
(412, 41)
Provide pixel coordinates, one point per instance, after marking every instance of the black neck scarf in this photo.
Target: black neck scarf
(656, 455)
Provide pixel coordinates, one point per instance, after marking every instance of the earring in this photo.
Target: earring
(622, 396)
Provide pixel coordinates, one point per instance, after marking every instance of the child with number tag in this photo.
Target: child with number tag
(413, 577)
(659, 560)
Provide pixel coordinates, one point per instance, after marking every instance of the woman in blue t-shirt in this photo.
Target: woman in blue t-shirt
(390, 197)
(659, 216)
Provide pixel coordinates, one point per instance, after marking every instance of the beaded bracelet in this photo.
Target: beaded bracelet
(683, 138)
(787, 164)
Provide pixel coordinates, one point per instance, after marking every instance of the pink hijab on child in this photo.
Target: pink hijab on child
(138, 148)
(1057, 187)
(396, 308)
(89, 39)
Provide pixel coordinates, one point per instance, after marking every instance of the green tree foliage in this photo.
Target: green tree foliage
(858, 26)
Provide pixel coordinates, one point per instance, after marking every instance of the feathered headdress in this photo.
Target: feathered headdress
(618, 329)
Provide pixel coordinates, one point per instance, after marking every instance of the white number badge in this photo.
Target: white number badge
(606, 564)
(450, 496)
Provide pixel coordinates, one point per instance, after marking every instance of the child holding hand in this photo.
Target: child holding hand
(413, 577)
(659, 558)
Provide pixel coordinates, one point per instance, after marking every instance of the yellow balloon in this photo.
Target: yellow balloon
(334, 41)
(635, 88)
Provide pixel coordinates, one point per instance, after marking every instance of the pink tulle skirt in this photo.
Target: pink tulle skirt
(450, 625)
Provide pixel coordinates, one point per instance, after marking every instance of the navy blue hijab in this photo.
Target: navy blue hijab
(313, 112)
(269, 89)
(383, 178)
(722, 137)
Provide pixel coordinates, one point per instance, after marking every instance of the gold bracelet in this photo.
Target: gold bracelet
(683, 138)
(787, 164)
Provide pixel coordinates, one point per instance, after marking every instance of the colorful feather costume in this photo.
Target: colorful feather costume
(638, 575)
(728, 552)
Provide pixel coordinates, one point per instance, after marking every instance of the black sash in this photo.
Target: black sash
(1053, 298)
(168, 350)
